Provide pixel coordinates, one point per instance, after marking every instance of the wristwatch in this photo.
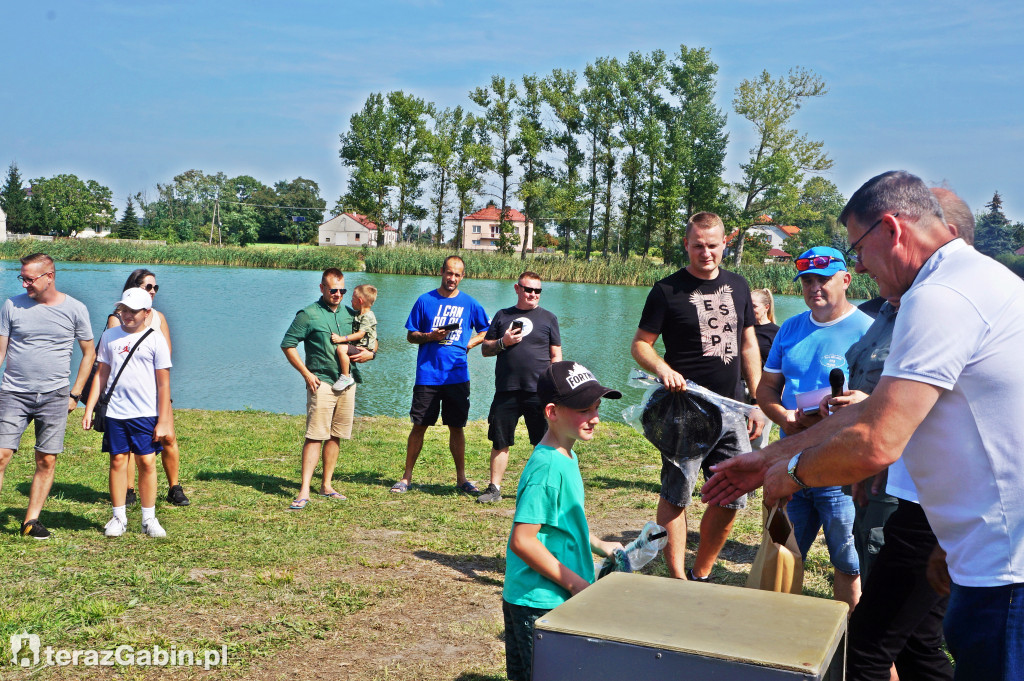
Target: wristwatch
(791, 469)
(75, 397)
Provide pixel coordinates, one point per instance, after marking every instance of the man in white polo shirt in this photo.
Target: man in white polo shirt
(949, 400)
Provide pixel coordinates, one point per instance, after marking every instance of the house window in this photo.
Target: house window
(476, 242)
(357, 236)
(476, 229)
(327, 239)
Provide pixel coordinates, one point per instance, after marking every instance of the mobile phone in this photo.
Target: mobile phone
(517, 325)
(450, 327)
(810, 410)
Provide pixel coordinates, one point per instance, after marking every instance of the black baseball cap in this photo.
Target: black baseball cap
(571, 384)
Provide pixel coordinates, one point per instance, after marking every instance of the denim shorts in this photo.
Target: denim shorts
(679, 475)
(49, 411)
(825, 508)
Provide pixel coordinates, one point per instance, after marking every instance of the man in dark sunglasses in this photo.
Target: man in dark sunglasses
(947, 403)
(526, 340)
(329, 413)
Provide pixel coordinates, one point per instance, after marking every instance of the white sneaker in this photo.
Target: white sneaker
(343, 383)
(153, 528)
(115, 528)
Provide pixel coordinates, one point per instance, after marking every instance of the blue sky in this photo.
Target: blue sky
(133, 93)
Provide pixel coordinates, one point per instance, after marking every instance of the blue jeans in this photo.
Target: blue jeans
(984, 629)
(829, 509)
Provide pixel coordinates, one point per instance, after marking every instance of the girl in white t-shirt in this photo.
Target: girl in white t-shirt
(139, 412)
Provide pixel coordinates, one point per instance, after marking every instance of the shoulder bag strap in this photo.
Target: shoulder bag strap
(106, 397)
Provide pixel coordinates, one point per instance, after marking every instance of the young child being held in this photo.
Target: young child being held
(139, 410)
(364, 333)
(549, 556)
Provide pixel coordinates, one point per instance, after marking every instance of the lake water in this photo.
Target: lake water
(227, 324)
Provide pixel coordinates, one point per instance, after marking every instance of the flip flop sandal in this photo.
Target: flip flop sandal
(400, 487)
(468, 488)
(298, 505)
(336, 495)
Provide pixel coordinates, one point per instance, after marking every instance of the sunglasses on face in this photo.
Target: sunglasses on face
(527, 289)
(152, 287)
(818, 262)
(334, 291)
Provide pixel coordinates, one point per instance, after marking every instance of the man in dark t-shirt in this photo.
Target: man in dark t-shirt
(706, 318)
(526, 340)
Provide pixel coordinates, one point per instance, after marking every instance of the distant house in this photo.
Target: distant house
(90, 233)
(353, 229)
(482, 229)
(776, 234)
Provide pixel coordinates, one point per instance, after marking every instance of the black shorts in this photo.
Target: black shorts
(679, 476)
(506, 408)
(451, 401)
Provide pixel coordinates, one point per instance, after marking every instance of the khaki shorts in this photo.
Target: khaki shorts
(329, 414)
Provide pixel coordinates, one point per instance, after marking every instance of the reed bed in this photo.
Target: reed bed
(551, 267)
(189, 253)
(401, 260)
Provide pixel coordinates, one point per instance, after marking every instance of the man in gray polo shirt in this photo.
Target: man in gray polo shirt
(37, 333)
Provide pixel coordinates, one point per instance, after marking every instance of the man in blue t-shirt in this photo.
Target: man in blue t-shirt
(805, 351)
(440, 323)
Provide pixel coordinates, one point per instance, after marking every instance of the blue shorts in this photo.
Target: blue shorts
(825, 508)
(131, 435)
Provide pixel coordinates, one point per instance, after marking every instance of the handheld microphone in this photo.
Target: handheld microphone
(837, 380)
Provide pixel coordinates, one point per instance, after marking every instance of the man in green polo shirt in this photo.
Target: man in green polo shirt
(329, 414)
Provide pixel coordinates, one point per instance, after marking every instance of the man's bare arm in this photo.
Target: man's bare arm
(296, 361)
(475, 340)
(88, 359)
(556, 353)
(4, 340)
(751, 355)
(648, 358)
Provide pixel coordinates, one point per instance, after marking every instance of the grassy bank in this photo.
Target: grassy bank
(191, 253)
(400, 260)
(380, 586)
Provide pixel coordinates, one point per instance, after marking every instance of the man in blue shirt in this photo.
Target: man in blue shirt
(805, 351)
(440, 323)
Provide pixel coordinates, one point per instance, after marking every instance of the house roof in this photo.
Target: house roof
(366, 222)
(778, 253)
(788, 230)
(494, 213)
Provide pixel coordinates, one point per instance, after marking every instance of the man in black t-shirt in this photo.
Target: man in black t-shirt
(707, 321)
(526, 340)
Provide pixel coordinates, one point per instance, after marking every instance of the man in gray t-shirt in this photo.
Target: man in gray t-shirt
(37, 333)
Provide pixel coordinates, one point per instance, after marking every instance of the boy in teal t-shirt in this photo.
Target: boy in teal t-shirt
(549, 555)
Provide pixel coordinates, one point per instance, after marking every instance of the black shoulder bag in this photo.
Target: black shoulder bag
(99, 414)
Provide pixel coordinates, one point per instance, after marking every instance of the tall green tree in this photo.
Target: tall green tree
(367, 150)
(993, 233)
(702, 139)
(471, 160)
(128, 226)
(533, 141)
(774, 172)
(441, 139)
(569, 200)
(498, 104)
(64, 205)
(299, 198)
(408, 119)
(598, 98)
(14, 202)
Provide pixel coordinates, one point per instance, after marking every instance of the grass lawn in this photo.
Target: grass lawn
(381, 586)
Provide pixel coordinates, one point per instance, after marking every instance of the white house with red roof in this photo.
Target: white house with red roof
(776, 234)
(482, 229)
(353, 229)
